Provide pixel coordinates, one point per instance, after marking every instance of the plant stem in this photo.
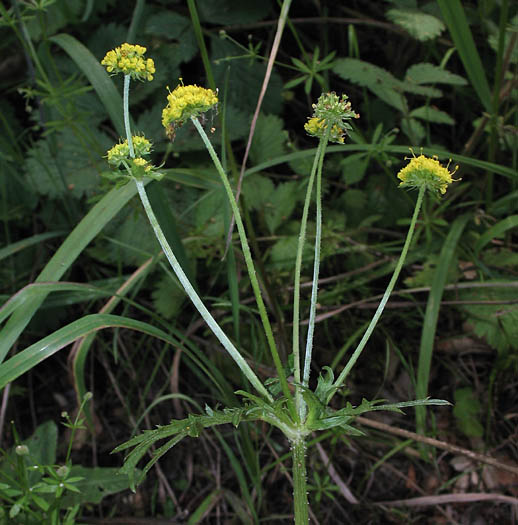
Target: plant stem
(127, 127)
(296, 286)
(356, 354)
(300, 495)
(316, 263)
(248, 259)
(193, 296)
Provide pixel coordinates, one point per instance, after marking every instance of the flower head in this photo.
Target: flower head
(136, 167)
(334, 111)
(129, 59)
(425, 172)
(185, 102)
(120, 152)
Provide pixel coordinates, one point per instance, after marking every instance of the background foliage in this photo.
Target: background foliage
(440, 76)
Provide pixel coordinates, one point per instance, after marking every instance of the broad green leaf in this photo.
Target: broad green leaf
(421, 26)
(280, 205)
(497, 323)
(413, 129)
(269, 139)
(168, 296)
(71, 170)
(96, 484)
(257, 190)
(432, 114)
(467, 412)
(426, 73)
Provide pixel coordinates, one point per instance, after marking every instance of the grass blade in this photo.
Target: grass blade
(74, 244)
(432, 315)
(96, 75)
(455, 18)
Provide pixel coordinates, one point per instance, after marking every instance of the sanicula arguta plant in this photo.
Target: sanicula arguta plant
(296, 415)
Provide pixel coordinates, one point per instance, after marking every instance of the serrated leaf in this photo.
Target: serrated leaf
(282, 255)
(280, 205)
(497, 323)
(325, 384)
(269, 139)
(168, 296)
(421, 26)
(425, 73)
(467, 412)
(257, 190)
(382, 83)
(69, 170)
(431, 114)
(413, 129)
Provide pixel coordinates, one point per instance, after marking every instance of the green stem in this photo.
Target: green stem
(248, 259)
(316, 264)
(296, 286)
(300, 495)
(127, 127)
(193, 296)
(341, 378)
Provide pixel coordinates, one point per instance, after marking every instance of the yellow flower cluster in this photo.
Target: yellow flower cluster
(316, 128)
(129, 59)
(120, 151)
(423, 171)
(185, 102)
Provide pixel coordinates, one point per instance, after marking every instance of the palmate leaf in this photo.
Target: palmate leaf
(421, 26)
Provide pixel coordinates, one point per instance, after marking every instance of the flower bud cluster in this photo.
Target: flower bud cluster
(333, 111)
(129, 59)
(120, 152)
(139, 167)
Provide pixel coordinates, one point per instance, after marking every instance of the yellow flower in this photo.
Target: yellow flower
(331, 110)
(129, 59)
(423, 171)
(185, 102)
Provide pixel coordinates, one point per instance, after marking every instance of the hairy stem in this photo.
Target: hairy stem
(193, 296)
(248, 259)
(356, 354)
